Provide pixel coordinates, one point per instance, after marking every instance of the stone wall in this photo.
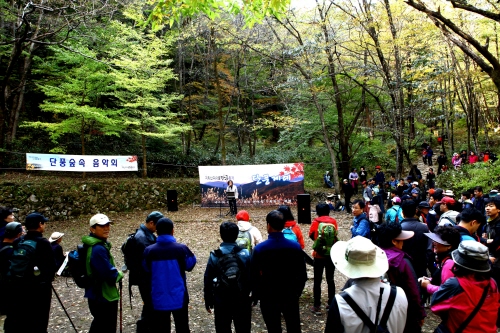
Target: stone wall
(60, 199)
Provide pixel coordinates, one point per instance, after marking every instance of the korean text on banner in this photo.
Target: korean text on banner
(80, 163)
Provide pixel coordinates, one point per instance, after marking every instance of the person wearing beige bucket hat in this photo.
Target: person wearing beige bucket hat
(364, 263)
(468, 302)
(55, 242)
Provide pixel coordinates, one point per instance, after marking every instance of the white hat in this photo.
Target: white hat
(448, 193)
(55, 236)
(99, 219)
(414, 183)
(359, 258)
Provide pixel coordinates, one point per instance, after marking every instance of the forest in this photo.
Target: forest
(182, 83)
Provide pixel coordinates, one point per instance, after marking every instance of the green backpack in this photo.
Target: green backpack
(327, 236)
(22, 265)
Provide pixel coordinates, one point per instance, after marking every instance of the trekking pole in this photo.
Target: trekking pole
(121, 307)
(62, 305)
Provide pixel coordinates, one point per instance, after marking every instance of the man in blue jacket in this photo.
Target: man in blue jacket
(166, 263)
(278, 277)
(360, 226)
(230, 301)
(102, 295)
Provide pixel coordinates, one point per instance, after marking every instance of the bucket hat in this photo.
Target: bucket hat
(472, 255)
(359, 258)
(55, 236)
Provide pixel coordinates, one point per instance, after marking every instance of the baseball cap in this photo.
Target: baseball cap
(154, 216)
(242, 216)
(396, 200)
(378, 167)
(13, 229)
(99, 219)
(415, 183)
(424, 204)
(431, 191)
(493, 193)
(405, 197)
(447, 200)
(34, 218)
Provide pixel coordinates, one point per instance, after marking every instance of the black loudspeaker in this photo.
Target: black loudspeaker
(172, 201)
(304, 208)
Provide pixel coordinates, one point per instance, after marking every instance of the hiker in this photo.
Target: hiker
(227, 283)
(278, 277)
(448, 215)
(360, 225)
(166, 263)
(363, 262)
(249, 236)
(323, 232)
(102, 294)
(6, 216)
(419, 246)
(291, 230)
(395, 213)
(468, 302)
(445, 240)
(32, 269)
(144, 236)
(470, 221)
(13, 231)
(347, 189)
(353, 179)
(55, 242)
(401, 273)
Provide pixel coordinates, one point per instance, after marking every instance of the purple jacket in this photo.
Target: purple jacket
(401, 274)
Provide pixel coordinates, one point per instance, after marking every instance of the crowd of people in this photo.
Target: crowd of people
(411, 247)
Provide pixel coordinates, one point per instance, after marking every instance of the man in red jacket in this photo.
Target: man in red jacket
(322, 259)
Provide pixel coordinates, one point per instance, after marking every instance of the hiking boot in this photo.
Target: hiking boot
(316, 310)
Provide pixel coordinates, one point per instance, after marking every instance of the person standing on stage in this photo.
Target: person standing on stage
(232, 202)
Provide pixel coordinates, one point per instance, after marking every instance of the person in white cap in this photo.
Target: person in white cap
(55, 241)
(364, 263)
(102, 295)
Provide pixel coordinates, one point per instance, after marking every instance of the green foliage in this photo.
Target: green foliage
(482, 174)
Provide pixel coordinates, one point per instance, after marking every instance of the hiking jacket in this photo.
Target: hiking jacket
(367, 193)
(366, 292)
(361, 226)
(395, 210)
(379, 177)
(166, 263)
(401, 274)
(101, 268)
(447, 216)
(296, 230)
(465, 234)
(419, 247)
(313, 230)
(58, 254)
(278, 270)
(3, 225)
(457, 298)
(492, 231)
(446, 273)
(144, 237)
(212, 272)
(254, 232)
(479, 204)
(6, 250)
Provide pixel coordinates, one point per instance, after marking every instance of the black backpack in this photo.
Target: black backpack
(22, 262)
(77, 265)
(231, 275)
(131, 256)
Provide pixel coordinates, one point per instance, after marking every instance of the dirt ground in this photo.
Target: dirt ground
(197, 228)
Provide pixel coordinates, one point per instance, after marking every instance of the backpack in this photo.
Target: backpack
(396, 220)
(289, 234)
(22, 262)
(230, 273)
(244, 240)
(378, 326)
(452, 223)
(131, 256)
(77, 265)
(327, 236)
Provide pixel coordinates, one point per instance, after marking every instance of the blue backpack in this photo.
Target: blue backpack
(289, 234)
